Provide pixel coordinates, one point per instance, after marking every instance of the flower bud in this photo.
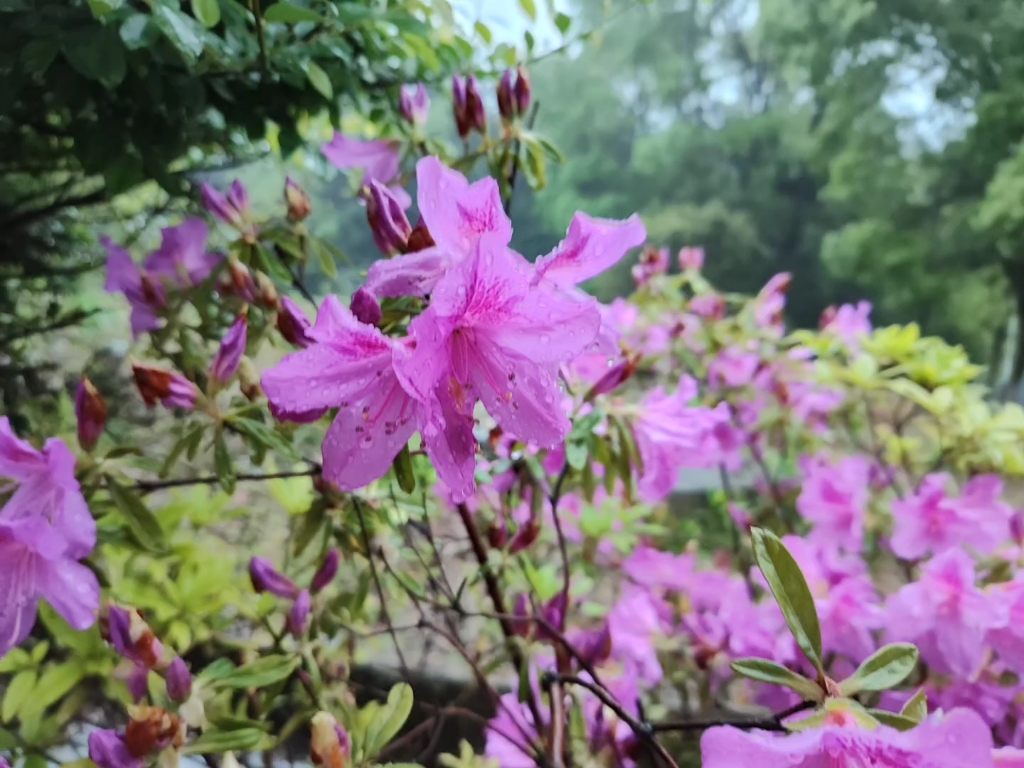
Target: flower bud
(653, 262)
(554, 614)
(595, 646)
(326, 572)
(229, 356)
(171, 389)
(710, 306)
(265, 578)
(293, 324)
(107, 748)
(91, 413)
(151, 729)
(298, 616)
(506, 97)
(419, 238)
(249, 379)
(238, 282)
(691, 259)
(1017, 528)
(388, 222)
(220, 207)
(617, 375)
(828, 316)
(266, 291)
(329, 744)
(414, 104)
(497, 534)
(299, 206)
(128, 632)
(522, 615)
(528, 533)
(459, 107)
(138, 682)
(475, 112)
(365, 307)
(523, 91)
(179, 681)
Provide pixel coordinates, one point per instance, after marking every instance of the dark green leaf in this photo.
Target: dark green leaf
(182, 31)
(319, 79)
(260, 673)
(222, 463)
(884, 669)
(207, 12)
(267, 436)
(403, 470)
(563, 22)
(97, 54)
(179, 448)
(312, 523)
(530, 41)
(326, 260)
(791, 592)
(217, 670)
(287, 13)
(38, 55)
(133, 31)
(216, 742)
(101, 8)
(766, 671)
(141, 520)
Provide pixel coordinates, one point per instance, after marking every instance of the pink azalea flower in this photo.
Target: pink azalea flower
(488, 336)
(733, 367)
(931, 521)
(835, 498)
(145, 295)
(651, 567)
(457, 214)
(668, 432)
(45, 528)
(653, 262)
(414, 103)
(229, 354)
(1008, 757)
(1007, 639)
(960, 739)
(770, 303)
(633, 623)
(850, 322)
(182, 258)
(945, 615)
(232, 208)
(512, 734)
(351, 366)
(378, 159)
(108, 749)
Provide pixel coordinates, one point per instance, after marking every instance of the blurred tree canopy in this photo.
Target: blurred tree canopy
(871, 148)
(100, 97)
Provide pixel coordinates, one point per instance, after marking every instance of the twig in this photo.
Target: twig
(556, 494)
(377, 585)
(148, 486)
(515, 159)
(494, 591)
(557, 725)
(768, 723)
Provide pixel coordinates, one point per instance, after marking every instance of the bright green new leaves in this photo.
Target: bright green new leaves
(791, 592)
(766, 671)
(258, 674)
(207, 12)
(384, 721)
(884, 669)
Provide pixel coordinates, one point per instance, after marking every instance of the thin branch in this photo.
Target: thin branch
(377, 585)
(768, 723)
(554, 498)
(148, 486)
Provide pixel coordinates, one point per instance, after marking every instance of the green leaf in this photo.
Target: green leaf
(217, 742)
(484, 31)
(265, 436)
(222, 463)
(319, 79)
(15, 660)
(286, 13)
(53, 685)
(532, 159)
(916, 707)
(101, 8)
(260, 673)
(217, 670)
(19, 690)
(791, 592)
(133, 31)
(389, 720)
(40, 650)
(192, 436)
(326, 259)
(182, 32)
(884, 669)
(140, 519)
(766, 671)
(576, 454)
(312, 523)
(207, 12)
(403, 470)
(891, 719)
(97, 53)
(38, 55)
(563, 22)
(529, 8)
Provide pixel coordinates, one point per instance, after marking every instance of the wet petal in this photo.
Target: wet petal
(411, 275)
(457, 212)
(18, 597)
(72, 590)
(549, 326)
(590, 247)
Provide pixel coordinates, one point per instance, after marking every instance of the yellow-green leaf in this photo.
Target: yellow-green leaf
(207, 12)
(18, 692)
(319, 79)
